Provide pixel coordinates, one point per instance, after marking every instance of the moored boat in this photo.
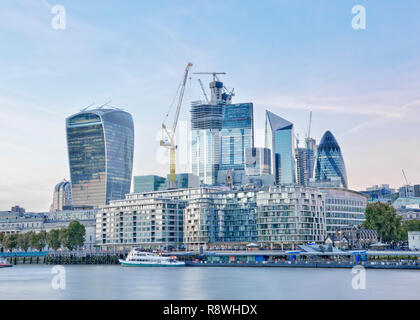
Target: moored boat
(5, 264)
(138, 258)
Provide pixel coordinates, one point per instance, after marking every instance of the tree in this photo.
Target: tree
(409, 225)
(383, 218)
(53, 239)
(10, 241)
(38, 240)
(42, 239)
(24, 241)
(76, 234)
(2, 236)
(63, 237)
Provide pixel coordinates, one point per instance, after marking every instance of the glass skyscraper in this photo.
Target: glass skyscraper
(279, 138)
(237, 135)
(329, 164)
(305, 159)
(100, 148)
(257, 161)
(206, 123)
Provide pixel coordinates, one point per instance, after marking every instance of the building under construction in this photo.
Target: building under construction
(221, 132)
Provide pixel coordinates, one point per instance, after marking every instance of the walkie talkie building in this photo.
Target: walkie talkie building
(100, 148)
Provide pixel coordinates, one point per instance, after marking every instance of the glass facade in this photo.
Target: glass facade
(100, 147)
(329, 161)
(206, 123)
(237, 135)
(343, 208)
(148, 183)
(257, 161)
(279, 137)
(290, 215)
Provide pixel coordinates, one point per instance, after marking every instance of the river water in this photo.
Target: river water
(116, 282)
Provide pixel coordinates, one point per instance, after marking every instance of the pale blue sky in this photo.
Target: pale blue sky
(286, 56)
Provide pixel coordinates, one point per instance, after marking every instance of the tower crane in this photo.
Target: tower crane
(405, 177)
(169, 143)
(204, 91)
(217, 96)
(214, 74)
(308, 134)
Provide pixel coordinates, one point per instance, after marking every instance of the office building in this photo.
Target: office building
(279, 138)
(206, 123)
(185, 180)
(148, 183)
(237, 135)
(381, 193)
(406, 191)
(302, 166)
(329, 163)
(343, 208)
(62, 198)
(155, 183)
(100, 149)
(257, 161)
(417, 190)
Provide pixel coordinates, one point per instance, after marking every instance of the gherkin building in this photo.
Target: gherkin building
(329, 161)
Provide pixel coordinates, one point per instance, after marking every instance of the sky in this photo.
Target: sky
(289, 57)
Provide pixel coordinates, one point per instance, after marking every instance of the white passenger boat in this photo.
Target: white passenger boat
(4, 263)
(138, 258)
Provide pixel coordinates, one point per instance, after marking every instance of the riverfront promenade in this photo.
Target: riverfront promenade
(249, 258)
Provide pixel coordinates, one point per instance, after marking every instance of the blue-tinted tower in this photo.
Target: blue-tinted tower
(237, 135)
(279, 138)
(329, 161)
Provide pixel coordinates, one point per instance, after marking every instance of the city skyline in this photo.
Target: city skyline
(351, 80)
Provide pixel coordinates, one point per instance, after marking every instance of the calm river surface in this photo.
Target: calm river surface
(116, 282)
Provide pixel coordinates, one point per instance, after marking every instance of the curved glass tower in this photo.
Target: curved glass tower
(329, 163)
(100, 147)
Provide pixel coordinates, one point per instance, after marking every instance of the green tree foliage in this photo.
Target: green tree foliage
(63, 237)
(409, 225)
(24, 241)
(39, 240)
(10, 241)
(76, 234)
(71, 238)
(2, 236)
(53, 239)
(383, 218)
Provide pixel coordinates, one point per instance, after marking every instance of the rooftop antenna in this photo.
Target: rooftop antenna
(104, 104)
(84, 109)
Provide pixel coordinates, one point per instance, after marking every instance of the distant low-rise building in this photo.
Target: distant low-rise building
(410, 213)
(414, 240)
(14, 223)
(381, 193)
(352, 237)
